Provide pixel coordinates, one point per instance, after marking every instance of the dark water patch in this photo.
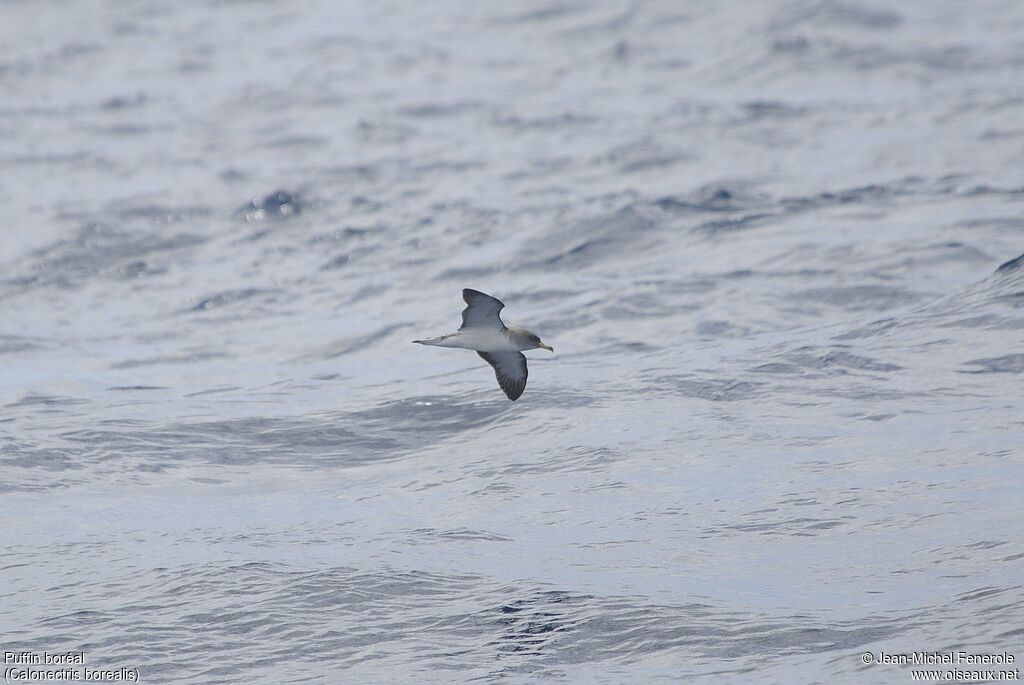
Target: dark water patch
(193, 358)
(20, 454)
(71, 158)
(873, 194)
(841, 13)
(233, 175)
(984, 321)
(1011, 224)
(1012, 299)
(290, 142)
(569, 120)
(932, 255)
(15, 344)
(931, 58)
(123, 102)
(126, 129)
(462, 211)
(860, 297)
(712, 390)
(577, 458)
(1015, 264)
(333, 617)
(246, 441)
(836, 360)
(100, 250)
(544, 395)
(793, 44)
(46, 401)
(384, 433)
(593, 240)
(134, 270)
(770, 110)
(550, 627)
(152, 213)
(336, 262)
(466, 272)
(346, 234)
(980, 593)
(643, 156)
(548, 295)
(630, 347)
(51, 59)
(862, 55)
(794, 526)
(231, 297)
(433, 168)
(779, 368)
(438, 109)
(431, 536)
(644, 306)
(1001, 134)
(218, 390)
(416, 422)
(354, 173)
(361, 203)
(747, 207)
(279, 204)
(355, 343)
(992, 303)
(984, 190)
(712, 198)
(875, 328)
(734, 223)
(525, 626)
(721, 329)
(548, 13)
(381, 132)
(1010, 363)
(39, 458)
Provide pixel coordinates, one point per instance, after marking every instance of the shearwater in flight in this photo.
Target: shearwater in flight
(500, 346)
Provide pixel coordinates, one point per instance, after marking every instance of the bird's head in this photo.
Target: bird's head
(539, 344)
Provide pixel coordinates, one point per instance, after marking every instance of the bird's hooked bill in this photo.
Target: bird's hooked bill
(542, 346)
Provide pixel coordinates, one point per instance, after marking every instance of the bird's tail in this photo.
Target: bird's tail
(432, 341)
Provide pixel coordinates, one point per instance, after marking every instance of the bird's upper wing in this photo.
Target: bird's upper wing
(482, 311)
(510, 368)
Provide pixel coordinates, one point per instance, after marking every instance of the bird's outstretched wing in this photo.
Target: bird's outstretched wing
(482, 311)
(510, 368)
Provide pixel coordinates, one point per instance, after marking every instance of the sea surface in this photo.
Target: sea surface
(775, 245)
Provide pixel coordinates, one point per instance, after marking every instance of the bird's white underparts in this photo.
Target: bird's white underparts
(499, 345)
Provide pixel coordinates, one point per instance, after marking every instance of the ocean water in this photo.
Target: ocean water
(776, 246)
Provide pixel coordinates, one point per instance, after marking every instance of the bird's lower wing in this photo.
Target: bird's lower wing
(510, 368)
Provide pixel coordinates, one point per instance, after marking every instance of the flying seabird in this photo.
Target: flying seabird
(499, 345)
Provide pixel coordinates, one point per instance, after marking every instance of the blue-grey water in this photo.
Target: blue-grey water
(774, 244)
